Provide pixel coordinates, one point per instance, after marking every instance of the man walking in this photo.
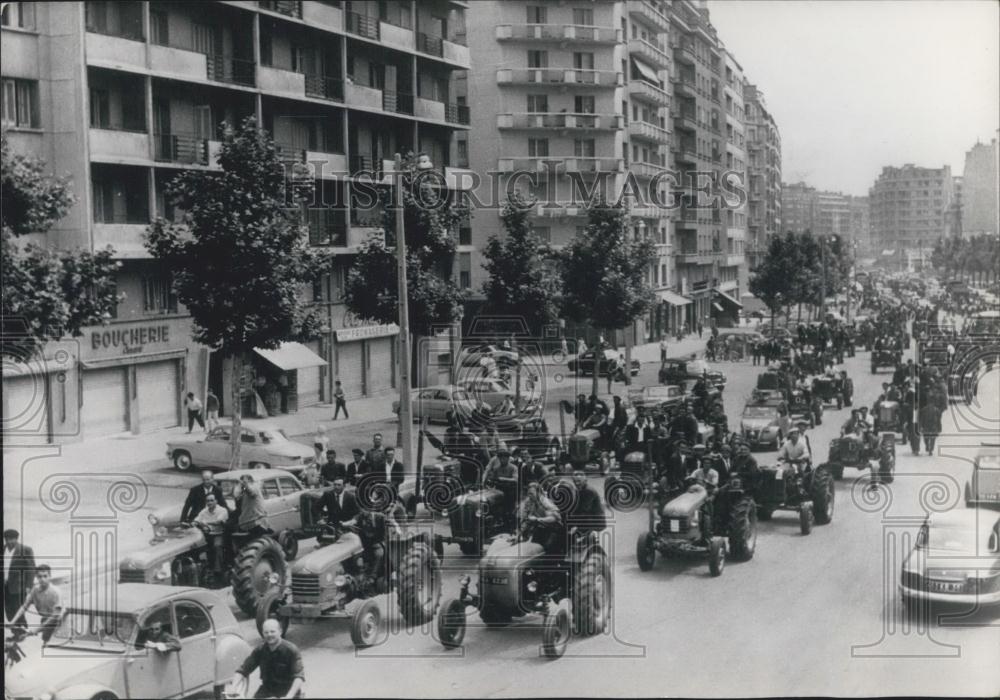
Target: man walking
(18, 573)
(211, 411)
(701, 328)
(194, 407)
(340, 400)
(929, 420)
(663, 349)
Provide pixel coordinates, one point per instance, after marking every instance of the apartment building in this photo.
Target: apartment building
(981, 190)
(860, 229)
(798, 204)
(123, 96)
(909, 208)
(732, 269)
(764, 217)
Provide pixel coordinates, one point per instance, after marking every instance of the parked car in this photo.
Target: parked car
(263, 445)
(983, 488)
(682, 370)
(777, 332)
(100, 652)
(583, 364)
(656, 398)
(471, 356)
(491, 391)
(432, 402)
(956, 559)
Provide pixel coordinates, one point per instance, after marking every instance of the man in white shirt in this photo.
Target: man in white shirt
(793, 454)
(214, 517)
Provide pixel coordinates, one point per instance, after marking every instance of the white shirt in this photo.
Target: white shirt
(214, 521)
(794, 452)
(388, 471)
(8, 558)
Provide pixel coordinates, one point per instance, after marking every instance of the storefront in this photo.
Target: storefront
(281, 380)
(672, 307)
(365, 359)
(726, 309)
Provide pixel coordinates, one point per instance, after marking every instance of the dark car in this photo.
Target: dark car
(584, 363)
(983, 489)
(682, 370)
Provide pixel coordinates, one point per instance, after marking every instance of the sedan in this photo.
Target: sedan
(263, 445)
(679, 370)
(489, 354)
(432, 403)
(983, 489)
(101, 652)
(956, 559)
(764, 425)
(583, 364)
(653, 398)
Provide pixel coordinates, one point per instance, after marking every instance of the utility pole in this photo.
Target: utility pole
(405, 405)
(822, 275)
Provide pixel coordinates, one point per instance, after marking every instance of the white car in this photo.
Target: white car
(956, 559)
(263, 445)
(432, 402)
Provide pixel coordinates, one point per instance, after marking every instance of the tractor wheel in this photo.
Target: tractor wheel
(419, 591)
(555, 633)
(823, 495)
(260, 566)
(366, 625)
(592, 596)
(645, 552)
(471, 548)
(182, 460)
(840, 402)
(451, 624)
(837, 471)
(267, 609)
(716, 556)
(289, 544)
(886, 468)
(764, 513)
(819, 416)
(806, 519)
(494, 615)
(743, 529)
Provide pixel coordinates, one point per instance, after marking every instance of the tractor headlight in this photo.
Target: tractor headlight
(532, 586)
(479, 512)
(340, 581)
(153, 520)
(163, 573)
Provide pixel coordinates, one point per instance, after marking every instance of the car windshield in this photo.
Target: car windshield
(672, 366)
(760, 412)
(94, 630)
(955, 538)
(658, 392)
(273, 435)
(697, 367)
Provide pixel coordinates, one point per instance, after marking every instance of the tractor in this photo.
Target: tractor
(850, 451)
(838, 390)
(809, 492)
(888, 419)
(806, 406)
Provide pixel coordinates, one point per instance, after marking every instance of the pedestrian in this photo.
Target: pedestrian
(929, 420)
(321, 443)
(663, 350)
(18, 573)
(581, 347)
(564, 347)
(194, 407)
(701, 329)
(47, 601)
(211, 411)
(340, 400)
(280, 664)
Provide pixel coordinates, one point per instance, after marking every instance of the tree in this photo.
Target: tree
(520, 281)
(604, 275)
(429, 218)
(47, 294)
(240, 256)
(772, 281)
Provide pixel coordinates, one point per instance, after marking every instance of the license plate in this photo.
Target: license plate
(779, 474)
(675, 526)
(496, 580)
(946, 586)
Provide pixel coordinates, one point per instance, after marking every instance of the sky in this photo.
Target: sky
(858, 85)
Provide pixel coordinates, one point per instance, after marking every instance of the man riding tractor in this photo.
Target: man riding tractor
(857, 446)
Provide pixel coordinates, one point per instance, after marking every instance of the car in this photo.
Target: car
(432, 403)
(583, 364)
(99, 651)
(983, 488)
(765, 424)
(656, 398)
(681, 370)
(487, 354)
(956, 559)
(491, 391)
(262, 445)
(777, 332)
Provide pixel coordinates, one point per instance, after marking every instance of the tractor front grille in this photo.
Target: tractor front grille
(675, 526)
(305, 587)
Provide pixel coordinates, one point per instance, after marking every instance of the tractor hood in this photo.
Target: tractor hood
(478, 497)
(160, 549)
(588, 435)
(686, 504)
(503, 554)
(320, 559)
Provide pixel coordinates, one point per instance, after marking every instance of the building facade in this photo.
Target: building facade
(909, 210)
(981, 190)
(123, 96)
(764, 218)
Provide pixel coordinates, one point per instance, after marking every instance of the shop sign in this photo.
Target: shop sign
(129, 341)
(345, 335)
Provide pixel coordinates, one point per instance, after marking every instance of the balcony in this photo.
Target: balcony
(118, 146)
(456, 52)
(457, 114)
(322, 15)
(324, 87)
(186, 149)
(645, 170)
(459, 178)
(686, 154)
(645, 11)
(125, 238)
(535, 164)
(358, 95)
(116, 52)
(684, 120)
(400, 103)
(648, 132)
(429, 109)
(281, 82)
(685, 85)
(560, 120)
(655, 54)
(361, 25)
(326, 165)
(430, 44)
(594, 165)
(227, 69)
(289, 8)
(732, 260)
(176, 62)
(647, 92)
(558, 33)
(327, 227)
(396, 36)
(559, 76)
(688, 257)
(558, 210)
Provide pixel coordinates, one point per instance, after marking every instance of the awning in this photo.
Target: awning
(291, 356)
(648, 72)
(673, 298)
(730, 299)
(133, 359)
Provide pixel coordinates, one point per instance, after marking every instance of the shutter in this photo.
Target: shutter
(309, 380)
(379, 371)
(105, 404)
(25, 413)
(349, 368)
(159, 400)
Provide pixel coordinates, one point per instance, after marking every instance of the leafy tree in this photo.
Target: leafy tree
(429, 218)
(47, 294)
(772, 281)
(520, 280)
(240, 256)
(603, 274)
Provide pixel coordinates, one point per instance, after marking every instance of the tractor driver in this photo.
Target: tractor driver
(685, 425)
(744, 463)
(706, 477)
(541, 516)
(372, 527)
(502, 474)
(793, 454)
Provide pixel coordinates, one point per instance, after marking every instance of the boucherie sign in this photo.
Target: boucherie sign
(129, 340)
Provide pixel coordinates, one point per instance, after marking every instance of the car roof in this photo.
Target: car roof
(254, 424)
(235, 474)
(136, 597)
(970, 518)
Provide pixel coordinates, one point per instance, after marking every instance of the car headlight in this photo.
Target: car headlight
(163, 573)
(153, 520)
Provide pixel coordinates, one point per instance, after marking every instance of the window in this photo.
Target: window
(158, 294)
(584, 17)
(20, 103)
(538, 148)
(538, 59)
(269, 489)
(191, 620)
(159, 27)
(538, 103)
(100, 109)
(465, 270)
(584, 104)
(544, 233)
(18, 14)
(537, 14)
(584, 148)
(583, 60)
(317, 288)
(288, 486)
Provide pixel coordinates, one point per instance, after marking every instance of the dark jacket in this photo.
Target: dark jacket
(929, 419)
(338, 470)
(685, 426)
(195, 501)
(334, 512)
(587, 511)
(22, 572)
(620, 419)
